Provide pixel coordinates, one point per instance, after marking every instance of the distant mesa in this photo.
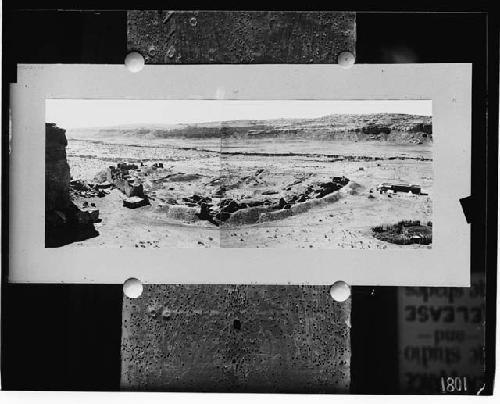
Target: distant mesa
(402, 128)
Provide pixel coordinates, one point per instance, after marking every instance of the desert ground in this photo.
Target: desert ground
(249, 170)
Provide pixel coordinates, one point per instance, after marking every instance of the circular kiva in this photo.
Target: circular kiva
(132, 288)
(134, 62)
(340, 291)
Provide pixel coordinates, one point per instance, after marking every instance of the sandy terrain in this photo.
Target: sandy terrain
(246, 170)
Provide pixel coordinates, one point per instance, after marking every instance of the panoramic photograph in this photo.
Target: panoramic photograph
(353, 174)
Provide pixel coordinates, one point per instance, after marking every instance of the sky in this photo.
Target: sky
(72, 113)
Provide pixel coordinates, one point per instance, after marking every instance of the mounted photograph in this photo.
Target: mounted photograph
(327, 174)
(250, 174)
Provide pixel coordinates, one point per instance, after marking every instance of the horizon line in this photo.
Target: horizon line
(236, 120)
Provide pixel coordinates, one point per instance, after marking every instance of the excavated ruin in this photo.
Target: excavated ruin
(219, 209)
(232, 212)
(215, 206)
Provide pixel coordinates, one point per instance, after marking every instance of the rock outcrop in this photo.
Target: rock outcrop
(64, 221)
(57, 176)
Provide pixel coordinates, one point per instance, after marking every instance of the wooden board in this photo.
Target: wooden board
(236, 338)
(165, 37)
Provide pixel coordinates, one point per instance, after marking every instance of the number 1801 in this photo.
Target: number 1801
(453, 384)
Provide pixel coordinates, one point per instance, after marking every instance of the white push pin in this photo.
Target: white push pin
(340, 291)
(345, 60)
(132, 288)
(134, 62)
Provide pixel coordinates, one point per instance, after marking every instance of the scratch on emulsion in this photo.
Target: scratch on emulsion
(167, 17)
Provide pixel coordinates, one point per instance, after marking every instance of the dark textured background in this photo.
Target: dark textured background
(236, 338)
(194, 37)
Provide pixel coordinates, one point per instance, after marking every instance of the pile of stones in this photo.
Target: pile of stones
(84, 189)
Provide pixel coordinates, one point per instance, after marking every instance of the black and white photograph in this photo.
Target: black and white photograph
(242, 176)
(253, 202)
(331, 174)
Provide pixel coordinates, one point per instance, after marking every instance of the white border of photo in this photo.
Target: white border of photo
(447, 263)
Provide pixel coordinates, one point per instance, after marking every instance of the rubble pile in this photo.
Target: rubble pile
(84, 189)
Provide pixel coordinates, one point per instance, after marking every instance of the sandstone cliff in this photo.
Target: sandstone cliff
(389, 127)
(57, 175)
(64, 221)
